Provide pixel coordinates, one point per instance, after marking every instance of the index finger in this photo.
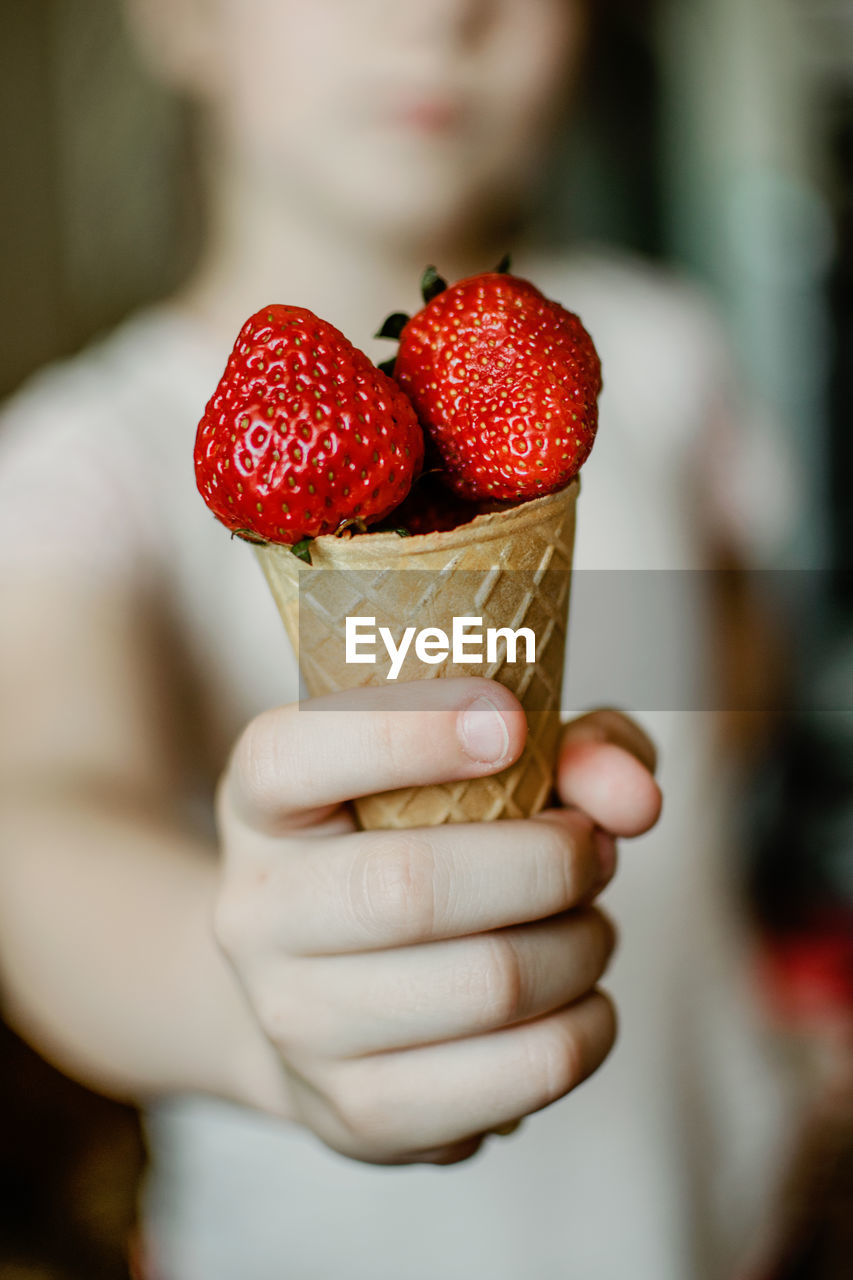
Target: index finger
(291, 765)
(374, 890)
(605, 768)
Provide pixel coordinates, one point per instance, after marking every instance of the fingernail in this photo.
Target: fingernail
(483, 733)
(605, 851)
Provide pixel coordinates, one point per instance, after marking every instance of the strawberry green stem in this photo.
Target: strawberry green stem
(432, 284)
(393, 325)
(302, 549)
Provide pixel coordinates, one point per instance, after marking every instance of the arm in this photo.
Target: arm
(107, 960)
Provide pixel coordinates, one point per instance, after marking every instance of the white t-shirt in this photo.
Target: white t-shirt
(659, 1166)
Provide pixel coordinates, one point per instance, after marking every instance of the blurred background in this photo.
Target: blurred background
(715, 136)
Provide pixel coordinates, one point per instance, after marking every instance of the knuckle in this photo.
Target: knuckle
(274, 1015)
(555, 842)
(563, 866)
(255, 759)
(609, 1018)
(608, 935)
(498, 987)
(391, 888)
(246, 914)
(570, 1050)
(558, 1060)
(294, 1010)
(562, 858)
(391, 746)
(311, 1033)
(597, 937)
(289, 1022)
(361, 1108)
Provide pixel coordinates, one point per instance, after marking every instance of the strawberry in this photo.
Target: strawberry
(303, 435)
(505, 382)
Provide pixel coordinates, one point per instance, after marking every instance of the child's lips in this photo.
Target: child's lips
(431, 115)
(425, 112)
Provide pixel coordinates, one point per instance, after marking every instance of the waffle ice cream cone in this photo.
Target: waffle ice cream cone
(511, 568)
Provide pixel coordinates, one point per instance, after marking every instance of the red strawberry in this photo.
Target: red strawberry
(505, 382)
(303, 433)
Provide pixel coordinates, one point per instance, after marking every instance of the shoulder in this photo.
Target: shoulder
(617, 284)
(645, 318)
(666, 359)
(88, 441)
(106, 384)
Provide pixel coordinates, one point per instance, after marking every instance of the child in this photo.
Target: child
(317, 1017)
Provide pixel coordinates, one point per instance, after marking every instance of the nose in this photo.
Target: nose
(441, 22)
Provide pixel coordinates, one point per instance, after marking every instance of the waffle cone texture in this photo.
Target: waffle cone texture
(512, 568)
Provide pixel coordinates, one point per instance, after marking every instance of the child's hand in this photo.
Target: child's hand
(423, 987)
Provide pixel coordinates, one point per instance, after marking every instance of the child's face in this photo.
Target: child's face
(406, 116)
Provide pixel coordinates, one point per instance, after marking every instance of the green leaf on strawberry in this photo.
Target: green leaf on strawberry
(393, 325)
(432, 284)
(302, 549)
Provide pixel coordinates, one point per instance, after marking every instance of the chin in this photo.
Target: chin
(424, 204)
(403, 221)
